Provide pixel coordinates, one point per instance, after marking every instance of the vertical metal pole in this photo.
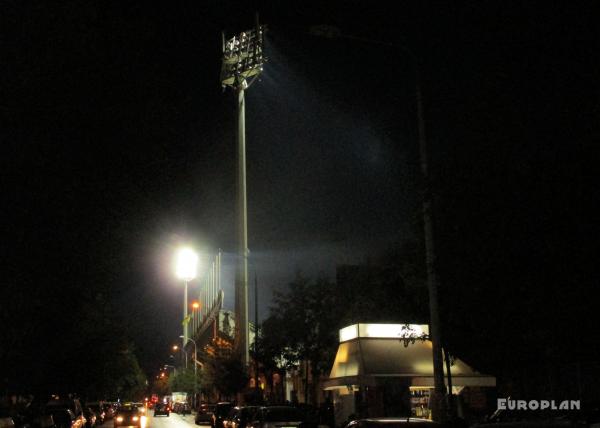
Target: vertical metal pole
(202, 301)
(256, 331)
(242, 273)
(185, 324)
(437, 397)
(195, 374)
(451, 407)
(219, 271)
(214, 281)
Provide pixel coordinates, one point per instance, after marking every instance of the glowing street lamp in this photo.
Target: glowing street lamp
(242, 64)
(187, 264)
(195, 307)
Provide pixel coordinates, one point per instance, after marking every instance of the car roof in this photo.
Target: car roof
(279, 407)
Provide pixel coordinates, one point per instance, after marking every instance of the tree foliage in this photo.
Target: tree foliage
(125, 377)
(183, 380)
(161, 386)
(301, 327)
(226, 374)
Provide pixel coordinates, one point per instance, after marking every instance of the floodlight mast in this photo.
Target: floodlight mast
(242, 60)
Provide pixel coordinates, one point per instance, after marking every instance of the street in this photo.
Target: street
(173, 421)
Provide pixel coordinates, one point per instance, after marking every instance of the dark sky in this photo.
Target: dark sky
(118, 144)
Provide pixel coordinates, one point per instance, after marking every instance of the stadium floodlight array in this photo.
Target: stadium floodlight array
(243, 57)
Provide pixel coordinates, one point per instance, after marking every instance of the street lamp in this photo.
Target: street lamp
(430, 258)
(195, 307)
(187, 263)
(173, 367)
(242, 60)
(183, 355)
(195, 368)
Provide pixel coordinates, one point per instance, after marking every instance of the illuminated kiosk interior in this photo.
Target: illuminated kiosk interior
(387, 370)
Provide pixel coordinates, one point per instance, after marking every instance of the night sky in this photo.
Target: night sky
(118, 144)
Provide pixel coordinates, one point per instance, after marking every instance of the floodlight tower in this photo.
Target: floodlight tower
(242, 64)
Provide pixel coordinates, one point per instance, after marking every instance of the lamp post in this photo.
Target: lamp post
(173, 367)
(195, 368)
(242, 63)
(195, 307)
(183, 355)
(187, 262)
(430, 257)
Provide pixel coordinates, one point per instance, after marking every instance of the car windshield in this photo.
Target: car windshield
(223, 409)
(128, 410)
(282, 414)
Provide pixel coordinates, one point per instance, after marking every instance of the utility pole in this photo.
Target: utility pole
(242, 60)
(257, 385)
(437, 399)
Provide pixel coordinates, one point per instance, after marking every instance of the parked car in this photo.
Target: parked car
(90, 417)
(240, 416)
(396, 422)
(65, 418)
(6, 420)
(128, 416)
(98, 410)
(73, 404)
(221, 411)
(109, 411)
(40, 420)
(31, 415)
(205, 414)
(273, 416)
(161, 409)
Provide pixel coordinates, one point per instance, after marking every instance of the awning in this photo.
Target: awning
(368, 361)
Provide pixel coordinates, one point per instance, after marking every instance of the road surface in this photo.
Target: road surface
(173, 421)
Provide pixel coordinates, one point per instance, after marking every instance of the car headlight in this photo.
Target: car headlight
(135, 419)
(119, 418)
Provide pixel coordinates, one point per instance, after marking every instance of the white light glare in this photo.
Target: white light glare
(187, 261)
